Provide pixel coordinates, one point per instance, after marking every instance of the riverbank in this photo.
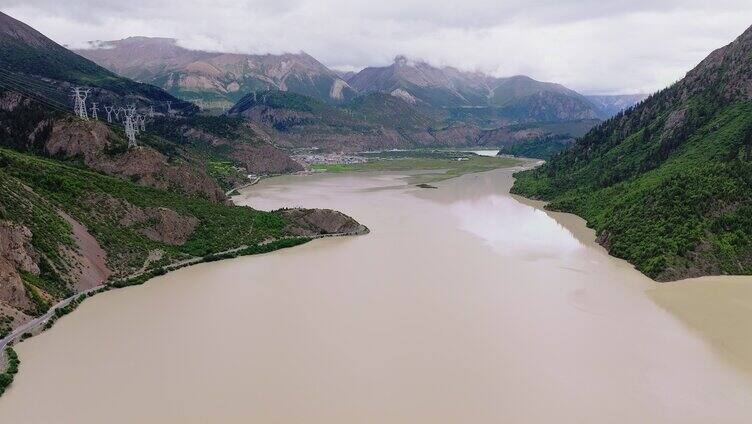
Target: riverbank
(325, 223)
(462, 304)
(717, 308)
(65, 306)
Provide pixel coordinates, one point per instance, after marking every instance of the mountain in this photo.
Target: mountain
(179, 150)
(382, 121)
(220, 79)
(26, 55)
(460, 105)
(611, 105)
(368, 122)
(667, 184)
(80, 208)
(541, 141)
(519, 98)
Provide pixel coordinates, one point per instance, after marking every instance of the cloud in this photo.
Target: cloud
(594, 46)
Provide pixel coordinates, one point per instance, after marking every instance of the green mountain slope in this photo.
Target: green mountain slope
(667, 185)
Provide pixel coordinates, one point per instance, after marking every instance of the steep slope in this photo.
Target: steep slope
(65, 229)
(538, 140)
(220, 79)
(179, 150)
(519, 98)
(31, 126)
(80, 208)
(668, 184)
(31, 60)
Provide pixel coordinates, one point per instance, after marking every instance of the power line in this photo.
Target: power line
(133, 122)
(36, 97)
(30, 83)
(22, 86)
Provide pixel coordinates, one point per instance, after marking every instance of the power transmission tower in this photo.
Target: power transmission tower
(169, 109)
(130, 129)
(142, 122)
(151, 111)
(117, 113)
(109, 110)
(80, 102)
(94, 110)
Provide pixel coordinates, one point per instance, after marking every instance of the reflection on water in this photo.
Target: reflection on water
(514, 229)
(437, 316)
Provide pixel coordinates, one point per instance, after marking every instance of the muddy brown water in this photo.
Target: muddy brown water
(463, 305)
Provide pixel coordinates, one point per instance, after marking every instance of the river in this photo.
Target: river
(463, 305)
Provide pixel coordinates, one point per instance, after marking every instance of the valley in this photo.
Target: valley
(298, 102)
(221, 227)
(442, 311)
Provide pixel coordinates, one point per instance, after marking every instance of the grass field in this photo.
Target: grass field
(445, 168)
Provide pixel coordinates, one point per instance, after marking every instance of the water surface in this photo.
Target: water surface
(463, 305)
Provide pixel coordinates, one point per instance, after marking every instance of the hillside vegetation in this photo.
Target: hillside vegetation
(667, 185)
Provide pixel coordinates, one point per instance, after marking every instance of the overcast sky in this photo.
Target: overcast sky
(593, 46)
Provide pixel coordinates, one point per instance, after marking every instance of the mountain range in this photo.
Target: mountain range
(222, 78)
(667, 184)
(431, 106)
(195, 74)
(521, 98)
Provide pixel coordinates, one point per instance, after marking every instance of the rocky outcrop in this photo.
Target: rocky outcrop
(16, 254)
(151, 168)
(317, 222)
(10, 100)
(259, 157)
(71, 138)
(159, 224)
(15, 247)
(264, 160)
(168, 226)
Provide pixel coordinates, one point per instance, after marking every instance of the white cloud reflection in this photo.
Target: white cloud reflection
(515, 229)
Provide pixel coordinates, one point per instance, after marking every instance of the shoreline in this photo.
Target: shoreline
(508, 315)
(718, 308)
(44, 322)
(670, 296)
